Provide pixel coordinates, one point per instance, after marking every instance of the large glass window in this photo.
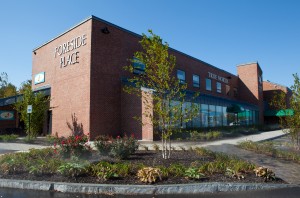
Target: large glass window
(225, 116)
(138, 66)
(204, 115)
(208, 84)
(219, 87)
(196, 81)
(197, 120)
(219, 115)
(181, 76)
(212, 115)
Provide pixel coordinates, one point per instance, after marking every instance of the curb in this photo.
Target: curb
(137, 189)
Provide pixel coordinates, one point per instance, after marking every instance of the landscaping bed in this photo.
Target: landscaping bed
(31, 167)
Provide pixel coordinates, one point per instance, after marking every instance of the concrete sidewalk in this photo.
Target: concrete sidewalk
(234, 141)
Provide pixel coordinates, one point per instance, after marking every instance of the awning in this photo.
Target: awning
(279, 113)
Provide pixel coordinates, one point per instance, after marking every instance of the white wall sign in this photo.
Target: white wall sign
(63, 50)
(219, 78)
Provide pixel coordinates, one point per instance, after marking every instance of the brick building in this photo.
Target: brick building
(82, 69)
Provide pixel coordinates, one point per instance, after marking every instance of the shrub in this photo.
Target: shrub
(104, 171)
(74, 146)
(149, 174)
(176, 170)
(74, 168)
(103, 144)
(52, 139)
(193, 173)
(265, 173)
(120, 148)
(8, 138)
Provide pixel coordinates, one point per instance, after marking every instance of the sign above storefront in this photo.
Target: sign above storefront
(71, 46)
(216, 77)
(7, 115)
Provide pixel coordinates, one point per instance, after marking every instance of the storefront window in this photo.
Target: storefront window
(219, 115)
(224, 116)
(197, 120)
(212, 115)
(204, 115)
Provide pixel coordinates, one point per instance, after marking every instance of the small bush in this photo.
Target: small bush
(104, 171)
(265, 173)
(8, 138)
(193, 173)
(74, 168)
(120, 148)
(73, 146)
(149, 175)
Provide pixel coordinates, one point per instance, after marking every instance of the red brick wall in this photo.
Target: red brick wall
(270, 89)
(250, 89)
(70, 85)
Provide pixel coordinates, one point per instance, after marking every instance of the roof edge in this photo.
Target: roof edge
(73, 27)
(133, 33)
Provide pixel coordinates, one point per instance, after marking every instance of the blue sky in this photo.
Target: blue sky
(223, 33)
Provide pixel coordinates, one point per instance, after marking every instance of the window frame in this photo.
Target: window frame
(182, 81)
(219, 89)
(206, 84)
(138, 66)
(196, 84)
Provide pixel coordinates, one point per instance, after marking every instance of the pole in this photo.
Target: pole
(29, 125)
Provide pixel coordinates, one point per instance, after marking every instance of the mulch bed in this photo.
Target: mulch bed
(148, 158)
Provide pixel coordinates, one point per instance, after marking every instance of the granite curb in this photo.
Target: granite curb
(137, 189)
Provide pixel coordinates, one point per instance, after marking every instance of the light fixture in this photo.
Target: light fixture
(105, 30)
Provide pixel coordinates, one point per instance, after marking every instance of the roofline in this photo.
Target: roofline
(267, 81)
(250, 63)
(133, 33)
(245, 64)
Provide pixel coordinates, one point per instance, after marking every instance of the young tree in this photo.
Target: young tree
(291, 123)
(6, 89)
(163, 95)
(40, 104)
(24, 86)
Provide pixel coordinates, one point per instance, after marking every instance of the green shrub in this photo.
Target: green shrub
(120, 148)
(193, 173)
(74, 146)
(8, 138)
(176, 170)
(104, 171)
(73, 168)
(103, 144)
(52, 139)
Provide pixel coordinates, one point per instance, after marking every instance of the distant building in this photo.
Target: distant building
(82, 70)
(271, 113)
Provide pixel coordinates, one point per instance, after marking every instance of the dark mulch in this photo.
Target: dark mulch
(148, 158)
